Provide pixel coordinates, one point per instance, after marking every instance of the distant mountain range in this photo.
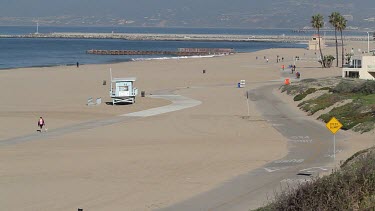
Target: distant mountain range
(188, 13)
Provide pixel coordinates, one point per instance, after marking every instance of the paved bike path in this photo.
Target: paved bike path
(178, 102)
(310, 152)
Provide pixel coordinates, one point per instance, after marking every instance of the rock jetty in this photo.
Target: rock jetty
(179, 37)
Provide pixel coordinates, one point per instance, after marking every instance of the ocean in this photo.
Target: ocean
(29, 52)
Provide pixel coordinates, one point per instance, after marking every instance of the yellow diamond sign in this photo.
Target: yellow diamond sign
(334, 125)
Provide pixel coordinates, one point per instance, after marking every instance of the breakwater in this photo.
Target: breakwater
(180, 37)
(179, 52)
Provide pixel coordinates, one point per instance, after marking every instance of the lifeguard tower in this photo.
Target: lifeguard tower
(123, 90)
(314, 42)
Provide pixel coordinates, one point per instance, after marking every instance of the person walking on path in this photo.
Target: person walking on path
(298, 75)
(293, 68)
(77, 64)
(41, 123)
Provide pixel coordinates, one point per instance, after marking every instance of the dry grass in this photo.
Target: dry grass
(350, 188)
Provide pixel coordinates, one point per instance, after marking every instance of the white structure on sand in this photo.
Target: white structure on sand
(123, 90)
(363, 68)
(314, 42)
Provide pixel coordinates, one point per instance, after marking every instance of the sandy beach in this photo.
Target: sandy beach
(151, 162)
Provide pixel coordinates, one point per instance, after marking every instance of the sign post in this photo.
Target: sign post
(247, 100)
(334, 125)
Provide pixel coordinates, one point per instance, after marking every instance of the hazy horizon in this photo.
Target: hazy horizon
(208, 13)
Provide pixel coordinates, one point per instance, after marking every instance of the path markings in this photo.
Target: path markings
(313, 169)
(273, 169)
(331, 155)
(290, 161)
(299, 181)
(300, 139)
(334, 125)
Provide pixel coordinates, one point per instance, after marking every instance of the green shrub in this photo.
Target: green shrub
(310, 91)
(357, 115)
(292, 89)
(309, 80)
(301, 96)
(365, 88)
(327, 60)
(327, 88)
(347, 86)
(344, 87)
(322, 102)
(368, 99)
(355, 156)
(350, 188)
(364, 127)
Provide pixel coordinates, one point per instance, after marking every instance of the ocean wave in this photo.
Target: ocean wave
(175, 57)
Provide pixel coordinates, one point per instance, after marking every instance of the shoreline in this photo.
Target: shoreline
(120, 61)
(62, 65)
(64, 56)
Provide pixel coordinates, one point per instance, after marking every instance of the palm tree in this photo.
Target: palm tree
(341, 26)
(333, 19)
(317, 22)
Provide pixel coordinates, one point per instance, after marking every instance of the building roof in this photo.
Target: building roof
(124, 79)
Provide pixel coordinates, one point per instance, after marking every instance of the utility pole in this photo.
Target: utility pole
(368, 42)
(37, 27)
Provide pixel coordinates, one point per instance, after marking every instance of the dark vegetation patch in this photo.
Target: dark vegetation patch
(327, 88)
(322, 102)
(358, 87)
(352, 187)
(293, 89)
(358, 115)
(301, 96)
(309, 80)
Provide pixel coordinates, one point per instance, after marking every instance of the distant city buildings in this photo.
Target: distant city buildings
(349, 17)
(372, 19)
(66, 21)
(267, 18)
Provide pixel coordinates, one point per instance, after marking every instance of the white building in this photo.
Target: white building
(363, 68)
